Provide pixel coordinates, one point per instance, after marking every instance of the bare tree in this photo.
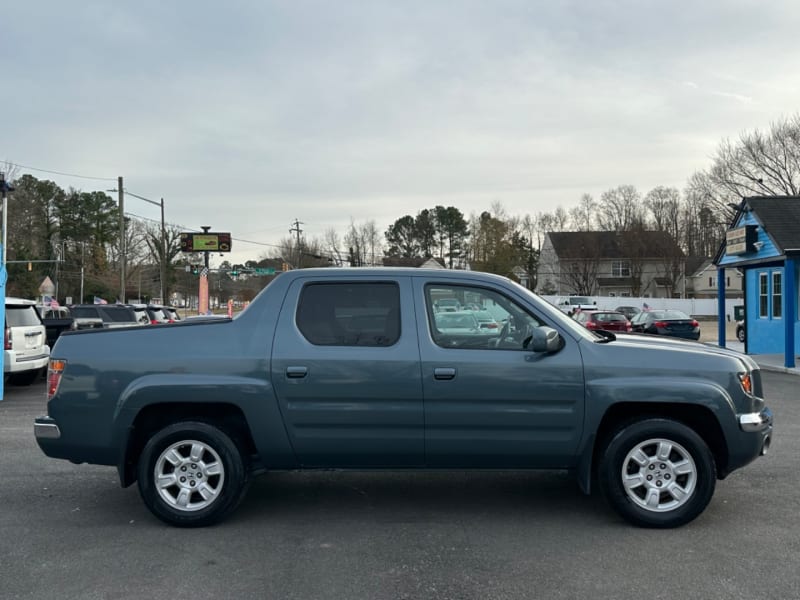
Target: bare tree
(584, 214)
(620, 209)
(560, 219)
(363, 243)
(758, 164)
(332, 244)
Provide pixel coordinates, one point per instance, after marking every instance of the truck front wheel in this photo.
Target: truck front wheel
(657, 473)
(191, 474)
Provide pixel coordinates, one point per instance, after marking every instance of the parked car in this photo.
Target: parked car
(571, 304)
(486, 322)
(56, 319)
(741, 332)
(171, 313)
(462, 322)
(107, 316)
(25, 349)
(141, 316)
(447, 305)
(607, 320)
(674, 323)
(86, 316)
(628, 311)
(156, 314)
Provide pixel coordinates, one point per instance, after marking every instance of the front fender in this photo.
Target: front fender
(602, 395)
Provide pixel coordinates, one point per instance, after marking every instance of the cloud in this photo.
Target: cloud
(247, 116)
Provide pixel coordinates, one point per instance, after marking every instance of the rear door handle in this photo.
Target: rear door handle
(444, 373)
(296, 372)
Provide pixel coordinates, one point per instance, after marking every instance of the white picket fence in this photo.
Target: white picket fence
(696, 307)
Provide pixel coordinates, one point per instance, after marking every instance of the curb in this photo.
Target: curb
(777, 369)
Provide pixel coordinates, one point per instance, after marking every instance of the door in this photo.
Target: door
(346, 372)
(490, 402)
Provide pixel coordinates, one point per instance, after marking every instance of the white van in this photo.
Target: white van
(569, 304)
(25, 351)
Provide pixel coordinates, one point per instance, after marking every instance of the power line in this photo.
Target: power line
(62, 173)
(192, 229)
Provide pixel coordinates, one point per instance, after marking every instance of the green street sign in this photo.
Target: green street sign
(270, 271)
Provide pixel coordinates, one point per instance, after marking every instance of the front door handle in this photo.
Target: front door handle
(296, 372)
(444, 373)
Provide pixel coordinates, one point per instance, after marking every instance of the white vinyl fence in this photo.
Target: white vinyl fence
(696, 307)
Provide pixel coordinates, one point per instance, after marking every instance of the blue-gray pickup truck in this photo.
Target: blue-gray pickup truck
(354, 369)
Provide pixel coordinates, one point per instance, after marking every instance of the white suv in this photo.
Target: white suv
(26, 353)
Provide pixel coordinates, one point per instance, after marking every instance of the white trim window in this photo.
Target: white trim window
(620, 268)
(763, 296)
(777, 294)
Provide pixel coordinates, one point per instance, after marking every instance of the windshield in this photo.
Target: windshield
(555, 315)
(579, 300)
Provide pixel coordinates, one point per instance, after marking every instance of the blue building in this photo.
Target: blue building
(763, 241)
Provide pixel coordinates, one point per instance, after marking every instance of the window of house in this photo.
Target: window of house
(763, 296)
(350, 314)
(620, 268)
(777, 295)
(711, 282)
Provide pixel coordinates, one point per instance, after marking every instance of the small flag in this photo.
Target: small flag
(645, 306)
(204, 272)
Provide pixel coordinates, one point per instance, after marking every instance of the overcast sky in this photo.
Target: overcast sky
(246, 115)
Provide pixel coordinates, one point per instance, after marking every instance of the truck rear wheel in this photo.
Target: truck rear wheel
(191, 474)
(657, 473)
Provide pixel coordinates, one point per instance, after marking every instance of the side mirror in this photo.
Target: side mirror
(545, 339)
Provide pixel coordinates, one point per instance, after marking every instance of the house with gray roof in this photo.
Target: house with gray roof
(635, 263)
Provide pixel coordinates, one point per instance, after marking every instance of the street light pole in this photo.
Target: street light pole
(163, 270)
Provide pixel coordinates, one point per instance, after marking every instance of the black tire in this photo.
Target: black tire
(201, 456)
(740, 334)
(680, 467)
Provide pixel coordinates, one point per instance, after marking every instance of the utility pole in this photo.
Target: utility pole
(296, 229)
(163, 254)
(121, 195)
(4, 188)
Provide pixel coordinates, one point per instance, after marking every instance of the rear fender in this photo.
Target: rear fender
(253, 396)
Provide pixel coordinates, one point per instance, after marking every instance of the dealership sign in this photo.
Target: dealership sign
(741, 240)
(206, 242)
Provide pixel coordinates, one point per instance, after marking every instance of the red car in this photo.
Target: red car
(608, 320)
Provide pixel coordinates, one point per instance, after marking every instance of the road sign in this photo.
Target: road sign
(261, 271)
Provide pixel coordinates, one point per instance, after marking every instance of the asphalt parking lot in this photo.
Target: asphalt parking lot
(70, 531)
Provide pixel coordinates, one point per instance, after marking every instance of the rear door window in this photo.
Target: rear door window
(350, 314)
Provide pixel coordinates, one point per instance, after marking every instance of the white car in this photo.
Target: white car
(26, 352)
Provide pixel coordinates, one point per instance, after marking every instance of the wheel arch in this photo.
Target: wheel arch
(153, 417)
(699, 418)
